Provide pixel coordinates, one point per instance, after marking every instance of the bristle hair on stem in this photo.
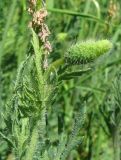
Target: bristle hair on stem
(88, 51)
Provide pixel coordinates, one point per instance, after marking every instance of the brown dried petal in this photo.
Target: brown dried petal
(48, 47)
(44, 33)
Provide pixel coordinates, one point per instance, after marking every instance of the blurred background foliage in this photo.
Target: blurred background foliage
(70, 21)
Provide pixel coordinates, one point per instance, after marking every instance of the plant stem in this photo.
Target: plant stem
(116, 143)
(54, 66)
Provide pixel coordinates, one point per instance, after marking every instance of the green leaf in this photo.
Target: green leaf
(35, 41)
(68, 76)
(73, 13)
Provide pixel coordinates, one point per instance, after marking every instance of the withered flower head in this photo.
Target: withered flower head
(38, 23)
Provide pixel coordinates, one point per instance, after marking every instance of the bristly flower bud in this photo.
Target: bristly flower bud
(82, 53)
